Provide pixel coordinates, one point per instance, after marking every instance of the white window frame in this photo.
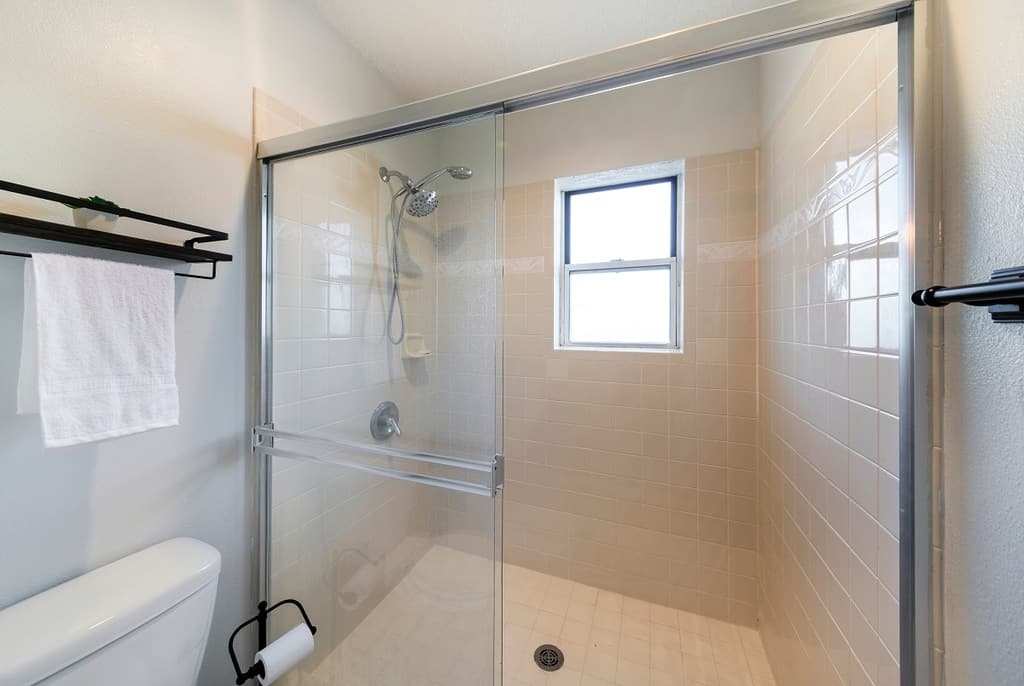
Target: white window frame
(621, 177)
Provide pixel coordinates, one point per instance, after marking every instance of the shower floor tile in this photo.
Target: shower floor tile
(613, 640)
(435, 629)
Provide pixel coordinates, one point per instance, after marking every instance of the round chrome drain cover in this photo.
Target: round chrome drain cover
(548, 657)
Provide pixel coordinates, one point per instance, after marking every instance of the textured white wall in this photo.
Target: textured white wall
(983, 205)
(150, 104)
(432, 48)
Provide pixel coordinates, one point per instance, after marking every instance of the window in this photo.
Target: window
(619, 285)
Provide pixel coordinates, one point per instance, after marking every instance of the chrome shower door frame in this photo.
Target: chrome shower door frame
(748, 35)
(918, 357)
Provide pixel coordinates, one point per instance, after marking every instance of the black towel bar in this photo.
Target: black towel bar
(212, 275)
(1003, 294)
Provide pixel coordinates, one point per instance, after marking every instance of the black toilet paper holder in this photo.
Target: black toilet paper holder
(261, 640)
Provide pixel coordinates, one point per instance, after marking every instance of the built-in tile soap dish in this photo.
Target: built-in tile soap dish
(415, 346)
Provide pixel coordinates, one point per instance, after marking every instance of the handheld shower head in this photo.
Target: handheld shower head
(460, 172)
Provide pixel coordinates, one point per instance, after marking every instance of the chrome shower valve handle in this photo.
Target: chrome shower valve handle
(384, 421)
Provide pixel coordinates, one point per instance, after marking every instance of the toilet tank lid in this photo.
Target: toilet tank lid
(53, 629)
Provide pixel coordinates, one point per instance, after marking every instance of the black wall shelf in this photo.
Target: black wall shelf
(52, 231)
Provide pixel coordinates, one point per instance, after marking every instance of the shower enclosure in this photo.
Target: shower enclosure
(766, 468)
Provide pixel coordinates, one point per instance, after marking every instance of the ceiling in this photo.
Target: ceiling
(429, 48)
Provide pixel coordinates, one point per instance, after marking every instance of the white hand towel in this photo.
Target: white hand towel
(97, 354)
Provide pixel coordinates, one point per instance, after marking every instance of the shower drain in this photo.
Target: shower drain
(548, 657)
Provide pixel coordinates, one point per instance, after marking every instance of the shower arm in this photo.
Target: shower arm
(429, 178)
(407, 186)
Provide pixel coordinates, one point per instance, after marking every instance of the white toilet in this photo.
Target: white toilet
(142, 620)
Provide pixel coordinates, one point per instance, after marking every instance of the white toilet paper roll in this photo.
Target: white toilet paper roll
(284, 653)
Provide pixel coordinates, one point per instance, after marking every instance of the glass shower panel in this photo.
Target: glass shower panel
(385, 506)
(751, 477)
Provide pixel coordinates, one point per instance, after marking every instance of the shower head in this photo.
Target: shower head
(422, 202)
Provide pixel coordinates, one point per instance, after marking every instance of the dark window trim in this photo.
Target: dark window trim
(673, 181)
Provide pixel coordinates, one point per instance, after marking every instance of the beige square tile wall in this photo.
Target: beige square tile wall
(464, 406)
(465, 399)
(332, 363)
(635, 472)
(828, 463)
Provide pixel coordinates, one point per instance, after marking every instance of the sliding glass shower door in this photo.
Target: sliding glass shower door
(382, 422)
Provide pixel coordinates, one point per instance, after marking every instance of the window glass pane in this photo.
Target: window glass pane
(625, 307)
(631, 223)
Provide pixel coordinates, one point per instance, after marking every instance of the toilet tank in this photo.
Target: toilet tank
(142, 620)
